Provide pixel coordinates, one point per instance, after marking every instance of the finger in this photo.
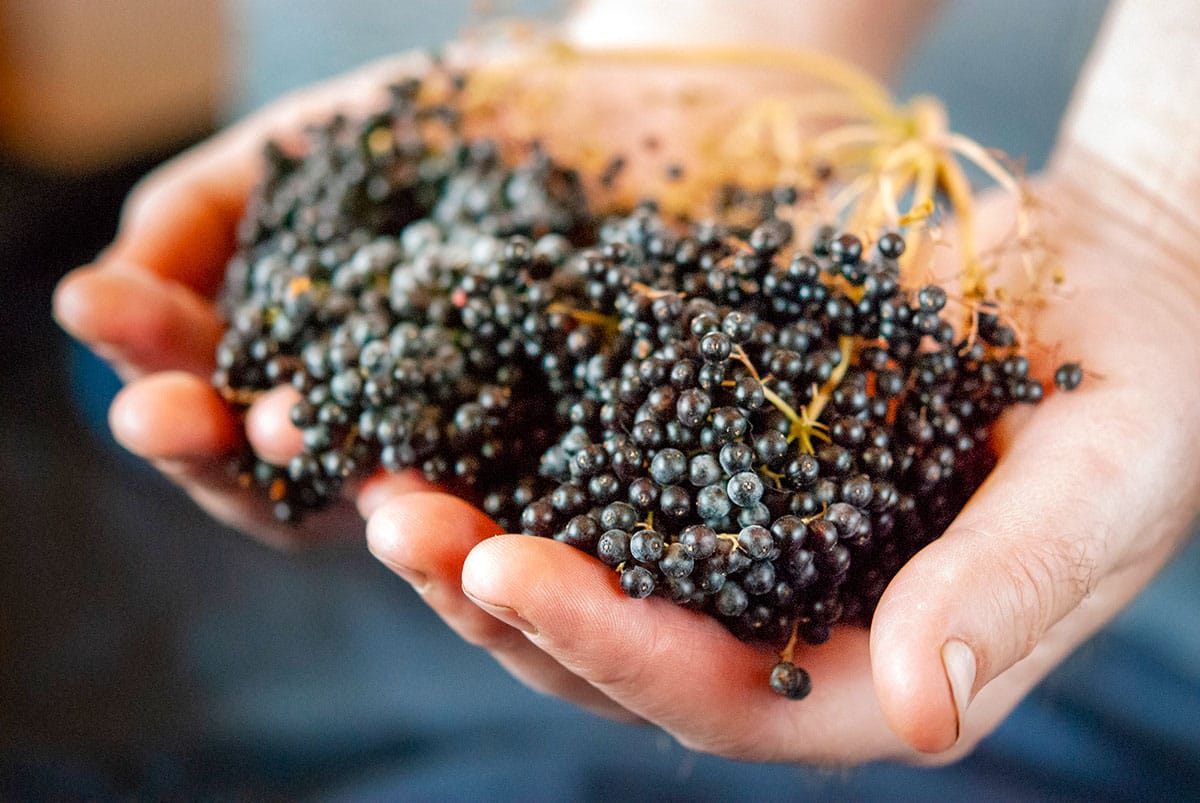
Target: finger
(276, 440)
(218, 488)
(424, 538)
(173, 416)
(137, 321)
(180, 221)
(1032, 544)
(680, 669)
(183, 426)
(384, 486)
(186, 430)
(269, 426)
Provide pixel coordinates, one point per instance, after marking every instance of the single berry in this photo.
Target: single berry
(1068, 376)
(891, 245)
(637, 582)
(790, 681)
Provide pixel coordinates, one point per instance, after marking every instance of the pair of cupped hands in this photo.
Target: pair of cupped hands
(1092, 493)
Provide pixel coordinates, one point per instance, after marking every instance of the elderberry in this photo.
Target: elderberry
(761, 431)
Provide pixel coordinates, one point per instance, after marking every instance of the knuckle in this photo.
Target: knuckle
(1045, 577)
(609, 671)
(487, 633)
(623, 671)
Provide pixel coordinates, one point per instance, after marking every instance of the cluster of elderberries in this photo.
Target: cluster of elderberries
(389, 273)
(768, 434)
(751, 426)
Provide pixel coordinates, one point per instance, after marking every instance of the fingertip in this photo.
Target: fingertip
(71, 303)
(556, 587)
(83, 305)
(917, 701)
(488, 568)
(428, 531)
(384, 486)
(495, 565)
(269, 428)
(386, 536)
(173, 416)
(137, 320)
(907, 635)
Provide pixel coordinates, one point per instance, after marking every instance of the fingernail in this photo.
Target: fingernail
(505, 614)
(418, 580)
(959, 663)
(384, 542)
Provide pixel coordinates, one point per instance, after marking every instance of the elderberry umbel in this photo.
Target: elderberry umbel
(754, 422)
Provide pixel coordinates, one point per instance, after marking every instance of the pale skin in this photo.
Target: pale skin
(1093, 493)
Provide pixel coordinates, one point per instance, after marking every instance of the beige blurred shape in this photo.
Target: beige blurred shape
(89, 83)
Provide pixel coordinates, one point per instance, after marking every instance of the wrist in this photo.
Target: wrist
(1120, 209)
(874, 36)
(1131, 136)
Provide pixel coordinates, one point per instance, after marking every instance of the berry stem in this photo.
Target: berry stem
(732, 538)
(804, 424)
(880, 152)
(606, 322)
(651, 292)
(812, 411)
(959, 191)
(243, 397)
(797, 420)
(789, 649)
(981, 158)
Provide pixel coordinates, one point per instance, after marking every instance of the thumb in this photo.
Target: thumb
(1027, 549)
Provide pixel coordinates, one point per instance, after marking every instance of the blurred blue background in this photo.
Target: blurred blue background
(146, 652)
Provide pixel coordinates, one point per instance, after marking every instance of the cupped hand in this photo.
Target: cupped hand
(1093, 491)
(146, 305)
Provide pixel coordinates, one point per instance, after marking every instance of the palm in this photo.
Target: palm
(1010, 579)
(1040, 535)
(147, 304)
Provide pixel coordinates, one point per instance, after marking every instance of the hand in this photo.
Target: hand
(1075, 533)
(146, 306)
(1093, 492)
